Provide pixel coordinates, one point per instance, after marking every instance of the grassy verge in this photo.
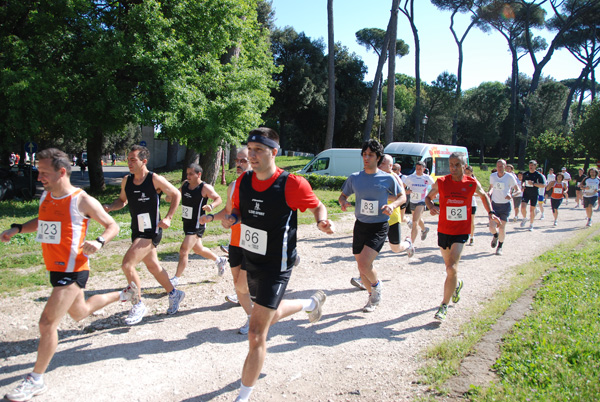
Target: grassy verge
(540, 356)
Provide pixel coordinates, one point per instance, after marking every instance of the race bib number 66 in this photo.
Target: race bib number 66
(456, 213)
(253, 240)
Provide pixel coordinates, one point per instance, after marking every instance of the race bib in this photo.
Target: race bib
(187, 212)
(48, 232)
(499, 186)
(253, 240)
(370, 208)
(144, 222)
(456, 213)
(593, 188)
(415, 197)
(528, 183)
(578, 183)
(558, 190)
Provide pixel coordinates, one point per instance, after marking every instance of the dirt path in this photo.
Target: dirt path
(197, 354)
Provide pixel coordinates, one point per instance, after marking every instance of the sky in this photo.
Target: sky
(486, 56)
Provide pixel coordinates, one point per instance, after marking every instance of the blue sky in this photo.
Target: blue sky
(486, 56)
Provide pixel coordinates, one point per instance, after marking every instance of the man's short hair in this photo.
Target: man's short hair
(58, 159)
(501, 160)
(461, 156)
(375, 147)
(421, 163)
(197, 168)
(144, 152)
(533, 161)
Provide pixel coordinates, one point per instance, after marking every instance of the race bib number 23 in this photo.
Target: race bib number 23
(253, 240)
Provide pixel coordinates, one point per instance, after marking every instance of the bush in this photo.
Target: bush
(320, 182)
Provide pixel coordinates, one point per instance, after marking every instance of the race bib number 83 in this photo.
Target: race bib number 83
(370, 208)
(456, 213)
(253, 240)
(48, 232)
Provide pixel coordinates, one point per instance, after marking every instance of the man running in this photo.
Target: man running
(142, 190)
(502, 184)
(266, 202)
(373, 189)
(532, 181)
(61, 225)
(456, 191)
(590, 187)
(580, 177)
(394, 229)
(194, 199)
(417, 184)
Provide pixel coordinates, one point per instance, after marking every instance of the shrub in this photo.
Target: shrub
(320, 182)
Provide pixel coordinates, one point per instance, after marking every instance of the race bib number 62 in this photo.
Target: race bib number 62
(456, 213)
(253, 240)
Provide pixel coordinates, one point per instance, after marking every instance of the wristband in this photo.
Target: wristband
(492, 213)
(322, 220)
(236, 219)
(18, 226)
(211, 215)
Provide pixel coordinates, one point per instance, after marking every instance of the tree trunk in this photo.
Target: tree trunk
(331, 77)
(191, 156)
(514, 91)
(94, 150)
(210, 162)
(232, 155)
(172, 151)
(482, 153)
(389, 114)
(410, 15)
(379, 107)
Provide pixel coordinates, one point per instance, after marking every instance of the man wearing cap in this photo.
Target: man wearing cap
(265, 204)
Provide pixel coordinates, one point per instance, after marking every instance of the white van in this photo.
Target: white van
(335, 162)
(435, 156)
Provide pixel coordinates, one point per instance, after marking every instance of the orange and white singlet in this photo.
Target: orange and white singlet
(558, 190)
(61, 230)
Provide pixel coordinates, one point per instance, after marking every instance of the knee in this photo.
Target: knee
(451, 270)
(256, 339)
(46, 325)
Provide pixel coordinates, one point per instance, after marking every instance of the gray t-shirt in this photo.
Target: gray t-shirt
(372, 192)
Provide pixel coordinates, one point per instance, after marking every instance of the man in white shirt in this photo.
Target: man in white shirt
(502, 185)
(418, 184)
(567, 179)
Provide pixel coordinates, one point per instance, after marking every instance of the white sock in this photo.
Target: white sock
(244, 393)
(405, 245)
(37, 378)
(308, 304)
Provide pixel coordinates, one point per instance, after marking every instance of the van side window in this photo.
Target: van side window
(442, 166)
(429, 164)
(319, 164)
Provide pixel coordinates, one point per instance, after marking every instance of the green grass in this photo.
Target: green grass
(552, 354)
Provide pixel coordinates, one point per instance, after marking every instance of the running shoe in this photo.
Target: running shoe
(319, 298)
(130, 293)
(138, 311)
(245, 328)
(174, 281)
(589, 223)
(456, 294)
(376, 294)
(221, 263)
(26, 390)
(494, 241)
(441, 313)
(424, 233)
(369, 307)
(410, 251)
(409, 223)
(224, 248)
(523, 222)
(531, 228)
(537, 211)
(542, 217)
(499, 251)
(297, 262)
(232, 299)
(555, 223)
(358, 283)
(174, 300)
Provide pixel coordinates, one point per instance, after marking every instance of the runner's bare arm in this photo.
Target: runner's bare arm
(209, 191)
(27, 227)
(121, 201)
(343, 200)
(397, 201)
(204, 219)
(162, 184)
(433, 209)
(90, 207)
(324, 224)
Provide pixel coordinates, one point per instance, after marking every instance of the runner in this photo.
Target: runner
(456, 191)
(517, 195)
(590, 186)
(266, 201)
(469, 173)
(194, 197)
(142, 190)
(394, 229)
(417, 184)
(532, 180)
(502, 184)
(236, 256)
(558, 188)
(541, 195)
(550, 177)
(61, 225)
(373, 189)
(578, 193)
(567, 179)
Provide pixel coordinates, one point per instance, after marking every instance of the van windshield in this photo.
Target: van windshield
(317, 165)
(408, 162)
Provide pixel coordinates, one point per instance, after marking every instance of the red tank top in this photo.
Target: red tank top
(455, 204)
(61, 230)
(558, 190)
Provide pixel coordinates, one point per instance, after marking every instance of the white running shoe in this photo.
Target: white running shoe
(356, 281)
(319, 298)
(232, 299)
(174, 281)
(376, 294)
(411, 250)
(409, 223)
(531, 228)
(130, 293)
(174, 300)
(221, 263)
(369, 307)
(424, 233)
(138, 311)
(589, 223)
(542, 217)
(523, 222)
(245, 328)
(555, 223)
(26, 390)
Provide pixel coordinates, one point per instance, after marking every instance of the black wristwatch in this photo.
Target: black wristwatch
(101, 240)
(18, 226)
(492, 213)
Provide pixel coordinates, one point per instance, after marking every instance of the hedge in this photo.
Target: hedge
(320, 182)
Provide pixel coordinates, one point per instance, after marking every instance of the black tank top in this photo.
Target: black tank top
(268, 224)
(192, 202)
(143, 203)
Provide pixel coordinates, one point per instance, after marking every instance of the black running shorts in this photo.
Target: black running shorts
(58, 279)
(371, 235)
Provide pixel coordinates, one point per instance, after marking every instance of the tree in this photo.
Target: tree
(330, 77)
(587, 131)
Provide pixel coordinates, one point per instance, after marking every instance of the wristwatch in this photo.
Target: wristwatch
(101, 240)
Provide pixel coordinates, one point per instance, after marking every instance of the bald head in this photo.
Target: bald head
(386, 163)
